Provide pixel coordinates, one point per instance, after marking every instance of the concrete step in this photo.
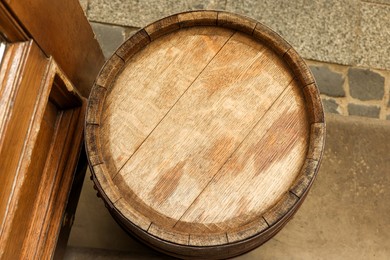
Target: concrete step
(345, 216)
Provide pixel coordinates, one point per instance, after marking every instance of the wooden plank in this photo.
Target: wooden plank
(162, 27)
(249, 230)
(71, 205)
(109, 71)
(237, 22)
(133, 45)
(314, 105)
(67, 36)
(317, 141)
(43, 186)
(162, 233)
(62, 186)
(259, 171)
(95, 105)
(24, 199)
(28, 78)
(212, 125)
(202, 240)
(299, 67)
(92, 133)
(281, 209)
(189, 19)
(305, 178)
(105, 184)
(31, 136)
(152, 86)
(271, 39)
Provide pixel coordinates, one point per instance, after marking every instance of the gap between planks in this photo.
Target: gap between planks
(139, 146)
(281, 93)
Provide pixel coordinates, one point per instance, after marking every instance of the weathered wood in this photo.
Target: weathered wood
(109, 71)
(317, 141)
(94, 102)
(237, 22)
(133, 45)
(195, 18)
(284, 205)
(299, 67)
(163, 26)
(304, 179)
(271, 38)
(203, 143)
(313, 101)
(143, 106)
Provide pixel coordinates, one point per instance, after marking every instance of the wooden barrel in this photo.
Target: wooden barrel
(204, 132)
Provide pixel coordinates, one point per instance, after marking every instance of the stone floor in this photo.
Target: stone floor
(349, 32)
(345, 216)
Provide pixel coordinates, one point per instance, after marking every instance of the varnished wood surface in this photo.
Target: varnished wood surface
(61, 30)
(41, 135)
(199, 136)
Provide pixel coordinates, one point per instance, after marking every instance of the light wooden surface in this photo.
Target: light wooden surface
(197, 139)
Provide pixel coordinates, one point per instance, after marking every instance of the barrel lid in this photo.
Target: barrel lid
(203, 130)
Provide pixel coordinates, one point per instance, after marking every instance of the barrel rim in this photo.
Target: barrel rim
(291, 200)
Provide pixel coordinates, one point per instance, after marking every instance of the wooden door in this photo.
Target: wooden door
(43, 77)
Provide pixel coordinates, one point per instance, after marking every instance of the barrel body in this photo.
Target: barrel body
(204, 132)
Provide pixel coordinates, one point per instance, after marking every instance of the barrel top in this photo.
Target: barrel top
(203, 129)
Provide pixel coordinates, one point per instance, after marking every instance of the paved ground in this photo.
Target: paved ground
(345, 216)
(350, 32)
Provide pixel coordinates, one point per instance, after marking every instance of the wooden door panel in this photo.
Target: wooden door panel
(61, 29)
(40, 145)
(21, 83)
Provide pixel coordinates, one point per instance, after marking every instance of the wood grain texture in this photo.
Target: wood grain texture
(133, 45)
(299, 67)
(237, 22)
(212, 127)
(197, 18)
(317, 141)
(313, 101)
(144, 105)
(36, 138)
(204, 142)
(32, 65)
(109, 71)
(163, 26)
(257, 183)
(9, 27)
(67, 36)
(272, 39)
(308, 171)
(284, 205)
